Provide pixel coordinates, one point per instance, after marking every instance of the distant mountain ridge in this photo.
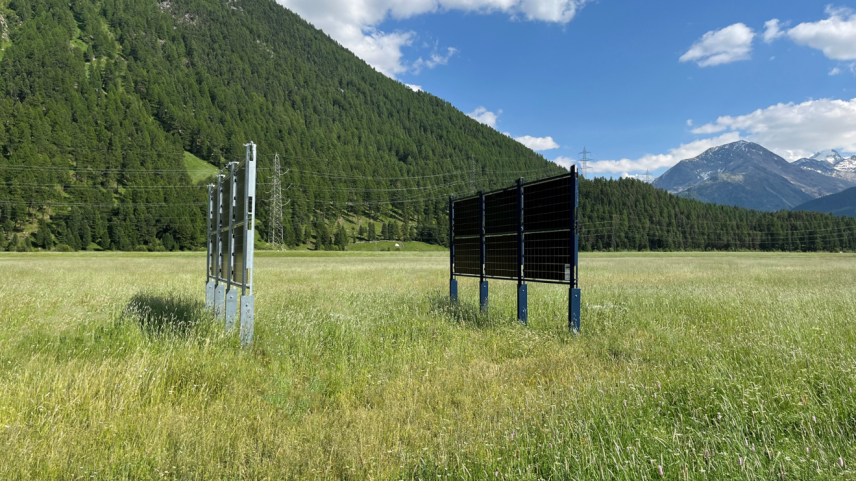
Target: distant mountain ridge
(830, 163)
(745, 174)
(841, 204)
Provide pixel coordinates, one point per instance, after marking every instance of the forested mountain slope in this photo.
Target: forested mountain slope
(842, 203)
(101, 102)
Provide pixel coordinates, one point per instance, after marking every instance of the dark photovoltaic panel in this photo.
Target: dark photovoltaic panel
(547, 232)
(468, 256)
(501, 256)
(500, 212)
(547, 254)
(467, 218)
(547, 205)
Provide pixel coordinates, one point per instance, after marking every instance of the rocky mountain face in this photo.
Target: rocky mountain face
(831, 163)
(745, 174)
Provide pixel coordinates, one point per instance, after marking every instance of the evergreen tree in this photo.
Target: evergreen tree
(372, 234)
(168, 242)
(341, 238)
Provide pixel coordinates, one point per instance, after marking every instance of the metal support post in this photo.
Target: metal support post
(522, 297)
(209, 257)
(453, 283)
(209, 295)
(219, 300)
(575, 303)
(231, 308)
(247, 299)
(248, 310)
(483, 285)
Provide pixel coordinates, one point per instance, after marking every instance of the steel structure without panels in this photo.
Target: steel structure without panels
(231, 240)
(527, 233)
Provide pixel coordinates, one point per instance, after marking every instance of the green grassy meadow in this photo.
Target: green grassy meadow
(704, 366)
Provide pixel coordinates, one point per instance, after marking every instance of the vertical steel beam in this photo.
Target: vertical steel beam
(483, 285)
(247, 299)
(453, 283)
(522, 295)
(219, 288)
(209, 257)
(231, 290)
(574, 295)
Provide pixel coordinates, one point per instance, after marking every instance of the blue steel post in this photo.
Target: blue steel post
(522, 297)
(574, 254)
(453, 283)
(483, 286)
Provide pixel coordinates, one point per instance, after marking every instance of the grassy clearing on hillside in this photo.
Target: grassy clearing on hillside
(390, 246)
(705, 365)
(198, 169)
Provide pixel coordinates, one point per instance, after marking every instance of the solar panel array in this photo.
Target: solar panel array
(538, 216)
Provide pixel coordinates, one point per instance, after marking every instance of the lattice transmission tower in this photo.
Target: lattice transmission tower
(275, 230)
(584, 168)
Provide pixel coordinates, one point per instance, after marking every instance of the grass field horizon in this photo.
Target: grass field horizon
(689, 366)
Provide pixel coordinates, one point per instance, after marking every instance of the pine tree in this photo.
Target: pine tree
(341, 238)
(168, 242)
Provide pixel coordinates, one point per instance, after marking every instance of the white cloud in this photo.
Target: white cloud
(709, 129)
(485, 116)
(835, 71)
(835, 36)
(415, 88)
(564, 162)
(434, 60)
(354, 23)
(538, 143)
(690, 123)
(730, 44)
(773, 30)
(653, 162)
(796, 130)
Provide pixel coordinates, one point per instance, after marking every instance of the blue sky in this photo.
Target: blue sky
(620, 77)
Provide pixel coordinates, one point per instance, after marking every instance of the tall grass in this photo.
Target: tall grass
(693, 366)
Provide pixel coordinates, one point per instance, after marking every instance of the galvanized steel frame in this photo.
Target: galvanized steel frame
(239, 179)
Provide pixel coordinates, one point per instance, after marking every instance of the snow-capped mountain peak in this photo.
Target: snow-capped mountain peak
(832, 156)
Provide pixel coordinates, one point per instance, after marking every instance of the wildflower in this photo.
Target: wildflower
(625, 403)
(753, 447)
(661, 470)
(808, 450)
(658, 385)
(841, 462)
(740, 461)
(496, 474)
(746, 442)
(814, 419)
(512, 435)
(718, 415)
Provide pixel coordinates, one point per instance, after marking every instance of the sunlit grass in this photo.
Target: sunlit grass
(702, 365)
